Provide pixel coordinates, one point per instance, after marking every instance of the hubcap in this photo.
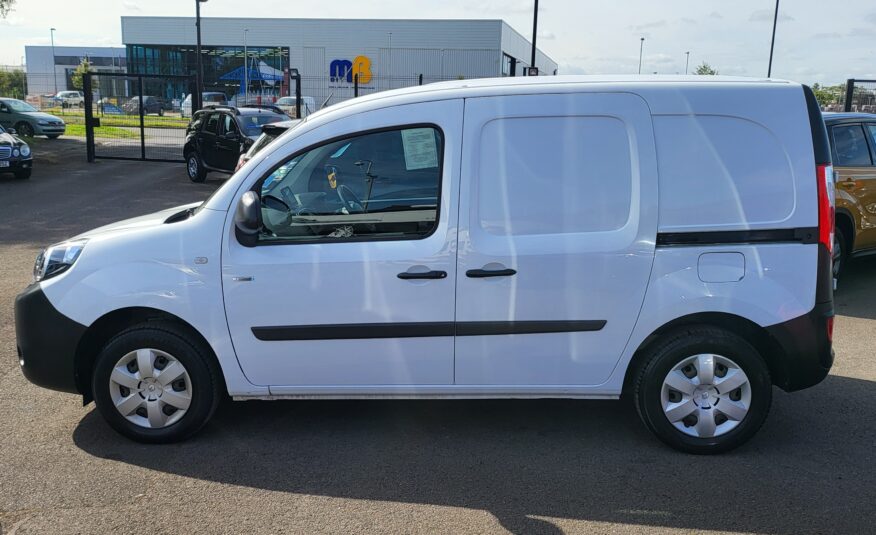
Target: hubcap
(837, 255)
(193, 166)
(150, 388)
(706, 395)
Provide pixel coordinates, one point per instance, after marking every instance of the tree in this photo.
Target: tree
(706, 69)
(827, 95)
(76, 77)
(5, 7)
(13, 84)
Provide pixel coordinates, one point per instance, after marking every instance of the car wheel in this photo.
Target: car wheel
(23, 174)
(161, 112)
(154, 383)
(53, 136)
(195, 168)
(703, 390)
(24, 128)
(840, 255)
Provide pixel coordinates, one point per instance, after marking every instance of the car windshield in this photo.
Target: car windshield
(252, 124)
(17, 105)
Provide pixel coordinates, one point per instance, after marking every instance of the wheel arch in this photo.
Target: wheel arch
(102, 330)
(845, 221)
(767, 346)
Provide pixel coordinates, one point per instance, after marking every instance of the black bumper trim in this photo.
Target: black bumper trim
(47, 341)
(806, 354)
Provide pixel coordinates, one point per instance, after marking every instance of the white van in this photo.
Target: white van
(666, 239)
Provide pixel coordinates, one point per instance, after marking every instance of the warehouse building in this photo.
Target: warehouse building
(330, 55)
(50, 69)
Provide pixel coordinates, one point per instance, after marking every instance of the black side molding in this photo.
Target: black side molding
(353, 331)
(806, 235)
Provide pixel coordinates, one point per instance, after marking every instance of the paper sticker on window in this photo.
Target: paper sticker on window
(421, 151)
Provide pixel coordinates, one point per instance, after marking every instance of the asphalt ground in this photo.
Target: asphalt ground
(406, 466)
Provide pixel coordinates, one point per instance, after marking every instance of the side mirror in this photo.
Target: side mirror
(248, 219)
(11, 131)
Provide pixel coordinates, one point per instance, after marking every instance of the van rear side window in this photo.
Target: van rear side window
(721, 171)
(554, 175)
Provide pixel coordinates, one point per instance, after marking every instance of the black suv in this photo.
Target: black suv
(217, 135)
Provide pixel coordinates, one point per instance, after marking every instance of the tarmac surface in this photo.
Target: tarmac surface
(406, 466)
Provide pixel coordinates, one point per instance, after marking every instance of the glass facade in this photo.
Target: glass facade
(223, 67)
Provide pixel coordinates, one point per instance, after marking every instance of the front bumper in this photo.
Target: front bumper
(47, 341)
(49, 130)
(806, 351)
(17, 164)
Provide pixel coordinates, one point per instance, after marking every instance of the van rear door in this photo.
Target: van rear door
(558, 218)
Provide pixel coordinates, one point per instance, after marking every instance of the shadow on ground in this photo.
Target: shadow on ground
(524, 459)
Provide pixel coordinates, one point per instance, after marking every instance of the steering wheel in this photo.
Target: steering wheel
(349, 199)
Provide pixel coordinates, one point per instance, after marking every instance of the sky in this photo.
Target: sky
(816, 41)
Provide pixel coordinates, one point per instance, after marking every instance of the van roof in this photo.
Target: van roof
(486, 86)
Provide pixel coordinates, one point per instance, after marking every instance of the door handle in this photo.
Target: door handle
(242, 279)
(406, 275)
(484, 273)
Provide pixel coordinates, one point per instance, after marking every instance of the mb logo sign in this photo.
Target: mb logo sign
(344, 69)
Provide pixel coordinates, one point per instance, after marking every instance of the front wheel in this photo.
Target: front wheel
(703, 390)
(153, 383)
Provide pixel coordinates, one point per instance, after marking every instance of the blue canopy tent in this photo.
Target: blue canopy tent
(262, 73)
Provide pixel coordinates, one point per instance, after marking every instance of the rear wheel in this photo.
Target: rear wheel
(195, 168)
(153, 383)
(703, 390)
(24, 128)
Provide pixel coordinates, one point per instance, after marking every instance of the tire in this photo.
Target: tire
(23, 174)
(196, 391)
(748, 403)
(161, 112)
(24, 128)
(840, 252)
(195, 168)
(53, 136)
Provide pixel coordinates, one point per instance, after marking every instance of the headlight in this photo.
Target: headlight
(57, 259)
(25, 151)
(42, 122)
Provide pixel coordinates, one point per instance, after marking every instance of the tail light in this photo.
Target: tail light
(825, 205)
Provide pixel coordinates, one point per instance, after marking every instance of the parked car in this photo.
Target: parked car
(289, 106)
(150, 105)
(543, 237)
(217, 135)
(15, 155)
(853, 142)
(270, 132)
(28, 121)
(70, 99)
(207, 98)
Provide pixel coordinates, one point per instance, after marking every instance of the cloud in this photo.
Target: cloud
(547, 36)
(827, 35)
(860, 32)
(871, 18)
(569, 68)
(716, 15)
(12, 21)
(648, 26)
(766, 15)
(131, 6)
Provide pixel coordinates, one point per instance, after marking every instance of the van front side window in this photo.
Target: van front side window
(380, 185)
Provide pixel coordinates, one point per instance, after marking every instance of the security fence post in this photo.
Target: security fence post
(356, 85)
(850, 93)
(142, 127)
(420, 79)
(297, 93)
(89, 117)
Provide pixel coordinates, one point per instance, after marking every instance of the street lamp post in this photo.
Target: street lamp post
(245, 69)
(686, 61)
(534, 32)
(773, 41)
(641, 49)
(199, 76)
(54, 69)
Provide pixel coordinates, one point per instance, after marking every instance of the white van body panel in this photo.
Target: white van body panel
(700, 131)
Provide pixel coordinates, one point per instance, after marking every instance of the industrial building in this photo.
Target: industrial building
(330, 55)
(49, 68)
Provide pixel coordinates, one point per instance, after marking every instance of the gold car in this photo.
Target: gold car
(853, 143)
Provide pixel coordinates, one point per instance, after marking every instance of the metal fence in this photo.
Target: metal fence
(860, 96)
(134, 116)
